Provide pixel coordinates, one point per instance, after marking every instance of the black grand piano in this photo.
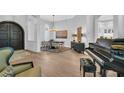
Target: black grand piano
(109, 54)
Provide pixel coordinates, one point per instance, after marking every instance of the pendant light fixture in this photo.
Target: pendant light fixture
(53, 25)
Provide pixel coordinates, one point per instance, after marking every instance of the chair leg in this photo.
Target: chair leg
(104, 73)
(94, 61)
(80, 67)
(101, 71)
(83, 73)
(94, 74)
(118, 74)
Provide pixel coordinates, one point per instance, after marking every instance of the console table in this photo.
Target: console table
(79, 47)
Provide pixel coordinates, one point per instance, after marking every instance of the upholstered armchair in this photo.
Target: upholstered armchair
(9, 70)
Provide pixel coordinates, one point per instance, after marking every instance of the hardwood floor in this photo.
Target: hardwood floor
(63, 64)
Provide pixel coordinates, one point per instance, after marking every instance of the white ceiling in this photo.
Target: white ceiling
(105, 17)
(56, 18)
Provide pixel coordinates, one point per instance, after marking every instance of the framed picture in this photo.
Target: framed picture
(62, 34)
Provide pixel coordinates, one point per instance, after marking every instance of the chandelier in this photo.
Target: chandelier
(53, 25)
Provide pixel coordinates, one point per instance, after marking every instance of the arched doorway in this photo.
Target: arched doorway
(11, 35)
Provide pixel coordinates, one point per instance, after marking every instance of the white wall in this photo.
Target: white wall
(31, 44)
(71, 25)
(41, 28)
(42, 32)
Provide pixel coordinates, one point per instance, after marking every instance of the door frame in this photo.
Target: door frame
(23, 34)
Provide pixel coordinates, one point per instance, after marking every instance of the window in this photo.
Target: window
(105, 29)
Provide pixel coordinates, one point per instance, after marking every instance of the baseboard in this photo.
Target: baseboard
(31, 51)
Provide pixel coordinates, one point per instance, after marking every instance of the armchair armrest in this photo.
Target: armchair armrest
(21, 67)
(18, 64)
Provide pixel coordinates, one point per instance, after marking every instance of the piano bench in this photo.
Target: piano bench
(88, 66)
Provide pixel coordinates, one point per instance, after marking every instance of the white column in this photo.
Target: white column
(90, 29)
(118, 26)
